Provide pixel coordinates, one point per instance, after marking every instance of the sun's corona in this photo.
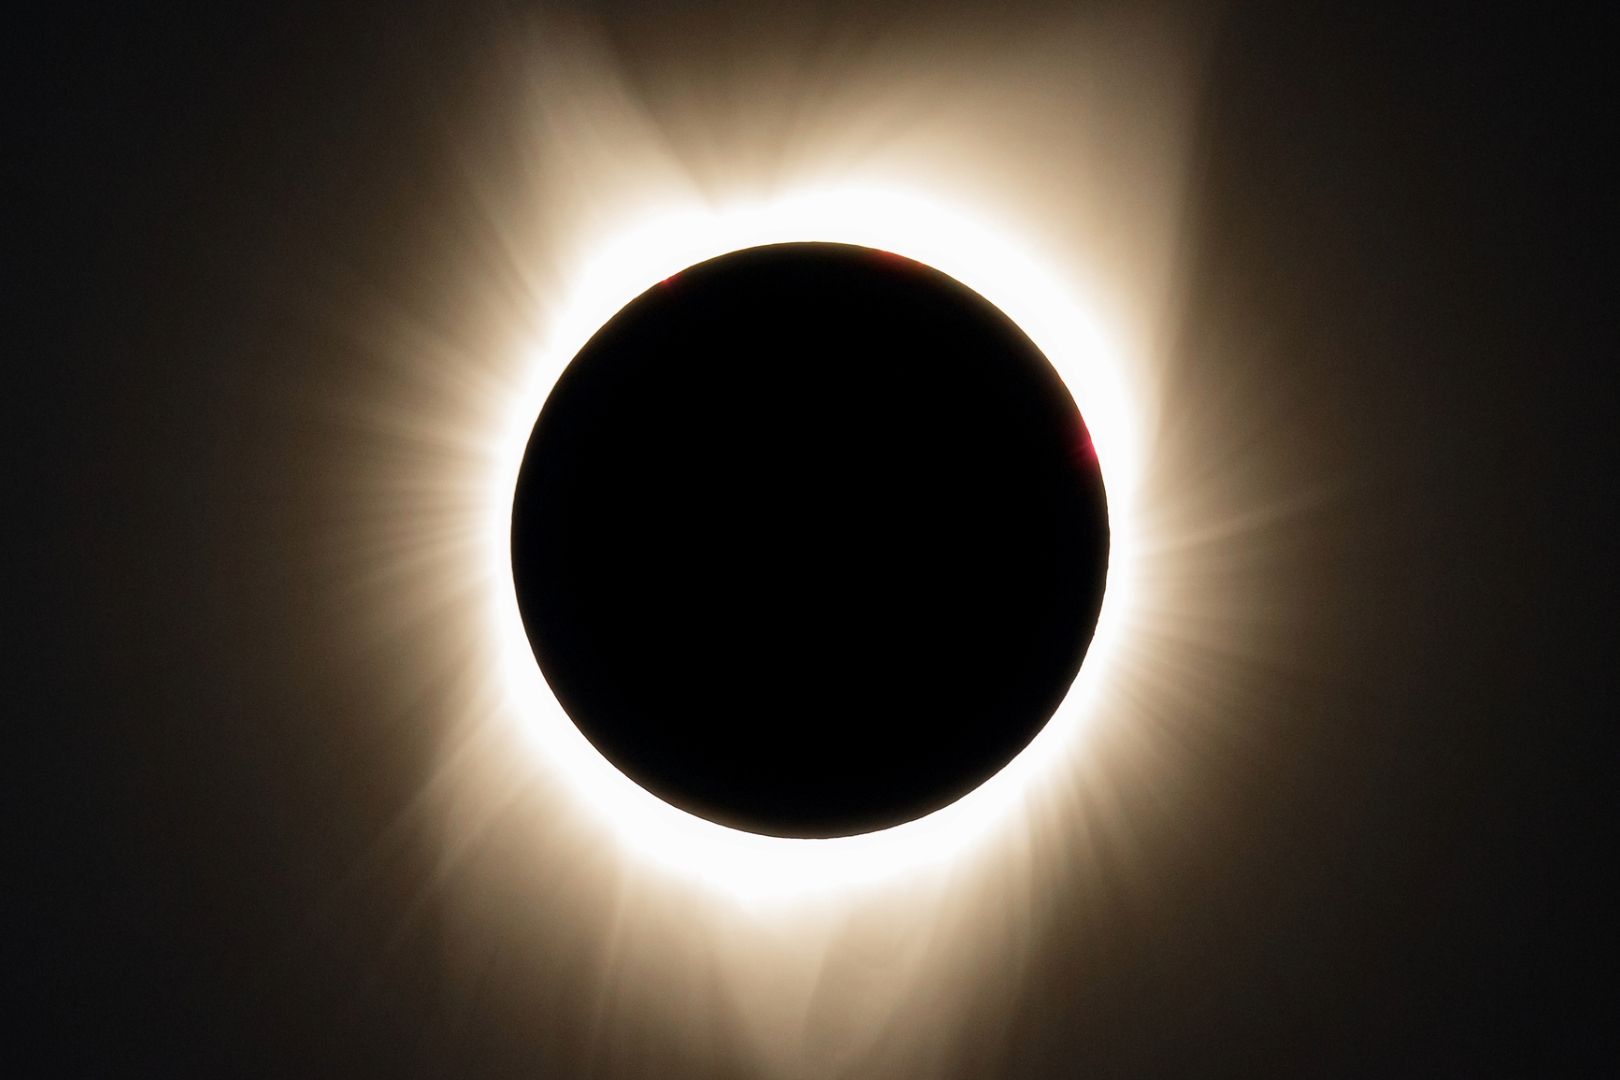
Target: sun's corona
(989, 259)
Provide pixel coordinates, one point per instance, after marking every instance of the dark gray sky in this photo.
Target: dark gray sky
(1384, 873)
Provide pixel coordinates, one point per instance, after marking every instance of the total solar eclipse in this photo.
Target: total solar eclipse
(809, 540)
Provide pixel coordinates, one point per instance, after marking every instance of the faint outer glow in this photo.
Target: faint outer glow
(1047, 163)
(987, 255)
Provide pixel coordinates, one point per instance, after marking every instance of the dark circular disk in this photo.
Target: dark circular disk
(809, 540)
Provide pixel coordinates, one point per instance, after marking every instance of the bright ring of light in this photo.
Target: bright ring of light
(1008, 275)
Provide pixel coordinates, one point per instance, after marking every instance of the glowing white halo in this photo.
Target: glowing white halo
(1007, 274)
